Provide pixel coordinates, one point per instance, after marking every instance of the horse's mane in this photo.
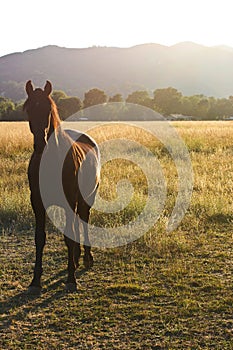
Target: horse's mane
(78, 153)
(56, 121)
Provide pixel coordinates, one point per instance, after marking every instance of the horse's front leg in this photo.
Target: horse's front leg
(40, 238)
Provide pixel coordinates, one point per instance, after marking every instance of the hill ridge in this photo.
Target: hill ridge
(189, 67)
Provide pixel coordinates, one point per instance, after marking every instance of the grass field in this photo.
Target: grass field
(164, 291)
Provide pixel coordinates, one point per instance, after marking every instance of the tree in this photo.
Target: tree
(6, 107)
(168, 100)
(223, 108)
(196, 106)
(140, 98)
(94, 97)
(203, 108)
(116, 98)
(57, 95)
(68, 106)
(17, 114)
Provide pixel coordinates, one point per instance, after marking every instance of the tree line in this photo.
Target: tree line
(167, 101)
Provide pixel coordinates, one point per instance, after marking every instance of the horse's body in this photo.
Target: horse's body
(80, 179)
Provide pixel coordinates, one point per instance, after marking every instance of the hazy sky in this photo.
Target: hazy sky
(29, 24)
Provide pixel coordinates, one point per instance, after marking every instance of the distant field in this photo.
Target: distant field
(163, 291)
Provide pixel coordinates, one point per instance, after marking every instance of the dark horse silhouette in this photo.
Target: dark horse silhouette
(81, 165)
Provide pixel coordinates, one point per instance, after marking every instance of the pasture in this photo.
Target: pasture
(166, 290)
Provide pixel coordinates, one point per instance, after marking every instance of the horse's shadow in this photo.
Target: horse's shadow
(25, 303)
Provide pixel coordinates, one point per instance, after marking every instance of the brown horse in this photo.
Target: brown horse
(81, 165)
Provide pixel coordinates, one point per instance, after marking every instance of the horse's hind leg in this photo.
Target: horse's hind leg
(71, 284)
(84, 214)
(88, 257)
(77, 253)
(77, 248)
(69, 236)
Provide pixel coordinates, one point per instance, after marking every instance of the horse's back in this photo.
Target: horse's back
(79, 136)
(89, 172)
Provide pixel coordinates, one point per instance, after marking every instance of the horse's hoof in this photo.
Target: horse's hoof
(88, 262)
(33, 290)
(71, 287)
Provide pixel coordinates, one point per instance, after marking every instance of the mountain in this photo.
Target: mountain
(188, 67)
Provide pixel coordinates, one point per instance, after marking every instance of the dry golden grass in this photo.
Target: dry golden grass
(15, 137)
(209, 144)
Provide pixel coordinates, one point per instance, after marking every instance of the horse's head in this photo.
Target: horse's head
(39, 107)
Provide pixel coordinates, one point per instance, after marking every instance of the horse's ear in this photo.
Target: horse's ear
(29, 87)
(48, 88)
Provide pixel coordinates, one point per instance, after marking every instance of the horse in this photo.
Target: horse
(81, 165)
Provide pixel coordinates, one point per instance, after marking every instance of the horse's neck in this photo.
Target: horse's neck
(58, 139)
(55, 126)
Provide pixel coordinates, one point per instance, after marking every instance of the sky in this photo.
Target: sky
(28, 24)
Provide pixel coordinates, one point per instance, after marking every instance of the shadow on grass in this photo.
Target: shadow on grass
(20, 305)
(221, 218)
